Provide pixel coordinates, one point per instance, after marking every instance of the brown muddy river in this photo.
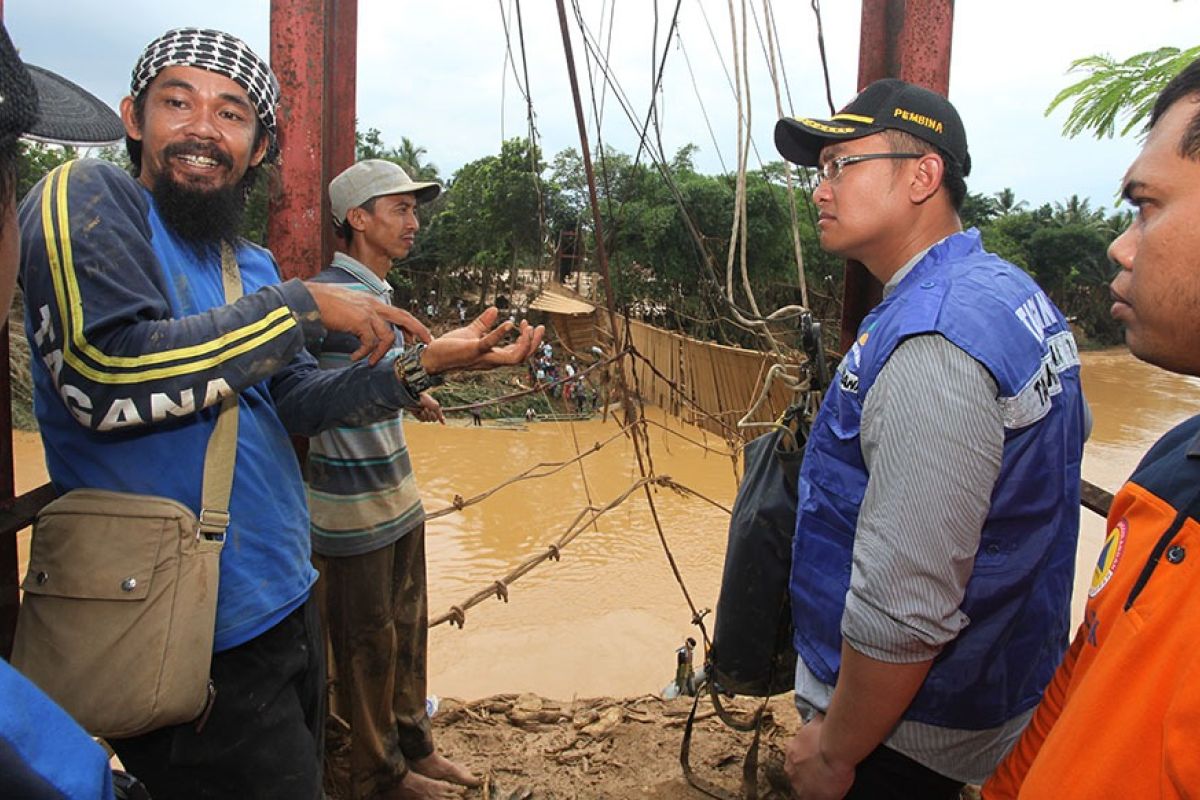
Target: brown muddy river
(607, 618)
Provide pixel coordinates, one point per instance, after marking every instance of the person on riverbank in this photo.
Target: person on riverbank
(44, 754)
(134, 350)
(368, 525)
(938, 505)
(1120, 717)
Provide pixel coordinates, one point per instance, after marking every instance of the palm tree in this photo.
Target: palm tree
(1078, 211)
(1007, 202)
(410, 156)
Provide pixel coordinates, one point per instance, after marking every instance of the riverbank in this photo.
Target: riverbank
(525, 746)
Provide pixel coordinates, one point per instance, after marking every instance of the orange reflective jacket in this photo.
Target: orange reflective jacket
(1121, 717)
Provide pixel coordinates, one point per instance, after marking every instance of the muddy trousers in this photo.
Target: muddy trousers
(377, 615)
(262, 739)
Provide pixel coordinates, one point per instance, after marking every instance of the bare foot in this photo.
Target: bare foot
(419, 787)
(437, 766)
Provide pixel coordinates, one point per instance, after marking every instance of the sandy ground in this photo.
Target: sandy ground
(526, 747)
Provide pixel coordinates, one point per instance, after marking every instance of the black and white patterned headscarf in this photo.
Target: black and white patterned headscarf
(218, 52)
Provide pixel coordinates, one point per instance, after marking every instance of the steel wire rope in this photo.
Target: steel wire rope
(816, 7)
(617, 215)
(634, 438)
(508, 59)
(499, 588)
(533, 147)
(459, 503)
(739, 206)
(673, 188)
(787, 170)
(700, 101)
(660, 161)
(739, 245)
(774, 27)
(587, 489)
(657, 158)
(597, 108)
(527, 392)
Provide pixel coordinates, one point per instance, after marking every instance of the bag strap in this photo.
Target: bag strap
(221, 453)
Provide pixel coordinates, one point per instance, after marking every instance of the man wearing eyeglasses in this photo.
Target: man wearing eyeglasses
(939, 497)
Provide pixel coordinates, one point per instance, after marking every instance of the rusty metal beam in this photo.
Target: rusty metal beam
(908, 39)
(314, 54)
(341, 60)
(298, 221)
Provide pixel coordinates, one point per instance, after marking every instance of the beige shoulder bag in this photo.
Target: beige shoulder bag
(120, 603)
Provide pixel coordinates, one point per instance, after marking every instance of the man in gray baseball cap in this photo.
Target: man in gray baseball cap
(371, 178)
(368, 525)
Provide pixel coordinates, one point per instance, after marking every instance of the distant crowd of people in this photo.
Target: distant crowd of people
(576, 390)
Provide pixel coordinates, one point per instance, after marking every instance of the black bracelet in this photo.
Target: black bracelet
(413, 375)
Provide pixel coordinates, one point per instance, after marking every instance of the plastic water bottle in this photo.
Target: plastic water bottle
(431, 705)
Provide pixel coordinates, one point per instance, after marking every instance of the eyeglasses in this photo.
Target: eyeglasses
(832, 169)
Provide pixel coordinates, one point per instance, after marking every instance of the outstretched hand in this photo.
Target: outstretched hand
(478, 345)
(428, 409)
(365, 317)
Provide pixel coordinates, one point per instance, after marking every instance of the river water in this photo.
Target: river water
(607, 618)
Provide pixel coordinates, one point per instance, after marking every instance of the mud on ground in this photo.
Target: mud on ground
(529, 748)
(604, 748)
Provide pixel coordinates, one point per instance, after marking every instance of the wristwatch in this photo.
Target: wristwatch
(412, 374)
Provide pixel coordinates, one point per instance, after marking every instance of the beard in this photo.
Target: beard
(203, 217)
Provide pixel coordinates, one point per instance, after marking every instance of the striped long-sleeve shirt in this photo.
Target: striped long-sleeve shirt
(361, 491)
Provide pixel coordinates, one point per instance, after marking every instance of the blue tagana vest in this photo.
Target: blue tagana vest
(1018, 597)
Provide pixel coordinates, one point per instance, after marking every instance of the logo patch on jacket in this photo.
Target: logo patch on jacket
(1110, 556)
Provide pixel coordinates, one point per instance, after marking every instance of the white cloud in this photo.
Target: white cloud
(432, 72)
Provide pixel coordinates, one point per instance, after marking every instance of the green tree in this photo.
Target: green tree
(34, 160)
(978, 210)
(1007, 202)
(411, 157)
(489, 222)
(1114, 89)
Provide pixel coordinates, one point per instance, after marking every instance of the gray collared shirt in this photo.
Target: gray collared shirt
(933, 458)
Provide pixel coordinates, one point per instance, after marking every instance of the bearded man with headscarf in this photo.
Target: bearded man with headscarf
(134, 349)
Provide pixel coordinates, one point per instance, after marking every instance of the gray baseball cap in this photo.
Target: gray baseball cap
(374, 177)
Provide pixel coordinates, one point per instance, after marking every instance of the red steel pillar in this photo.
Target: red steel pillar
(314, 55)
(907, 39)
(341, 61)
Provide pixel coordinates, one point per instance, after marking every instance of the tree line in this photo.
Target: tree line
(667, 232)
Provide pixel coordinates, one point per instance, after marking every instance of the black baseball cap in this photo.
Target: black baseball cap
(38, 104)
(885, 104)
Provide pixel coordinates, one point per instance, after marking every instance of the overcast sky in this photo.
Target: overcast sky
(434, 72)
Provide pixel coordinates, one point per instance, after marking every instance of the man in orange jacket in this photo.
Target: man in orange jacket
(1121, 715)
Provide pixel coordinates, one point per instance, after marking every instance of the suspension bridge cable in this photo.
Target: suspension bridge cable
(787, 167)
(700, 102)
(660, 164)
(533, 147)
(457, 615)
(774, 28)
(816, 7)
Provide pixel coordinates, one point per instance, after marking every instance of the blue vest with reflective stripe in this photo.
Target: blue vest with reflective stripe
(1018, 597)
